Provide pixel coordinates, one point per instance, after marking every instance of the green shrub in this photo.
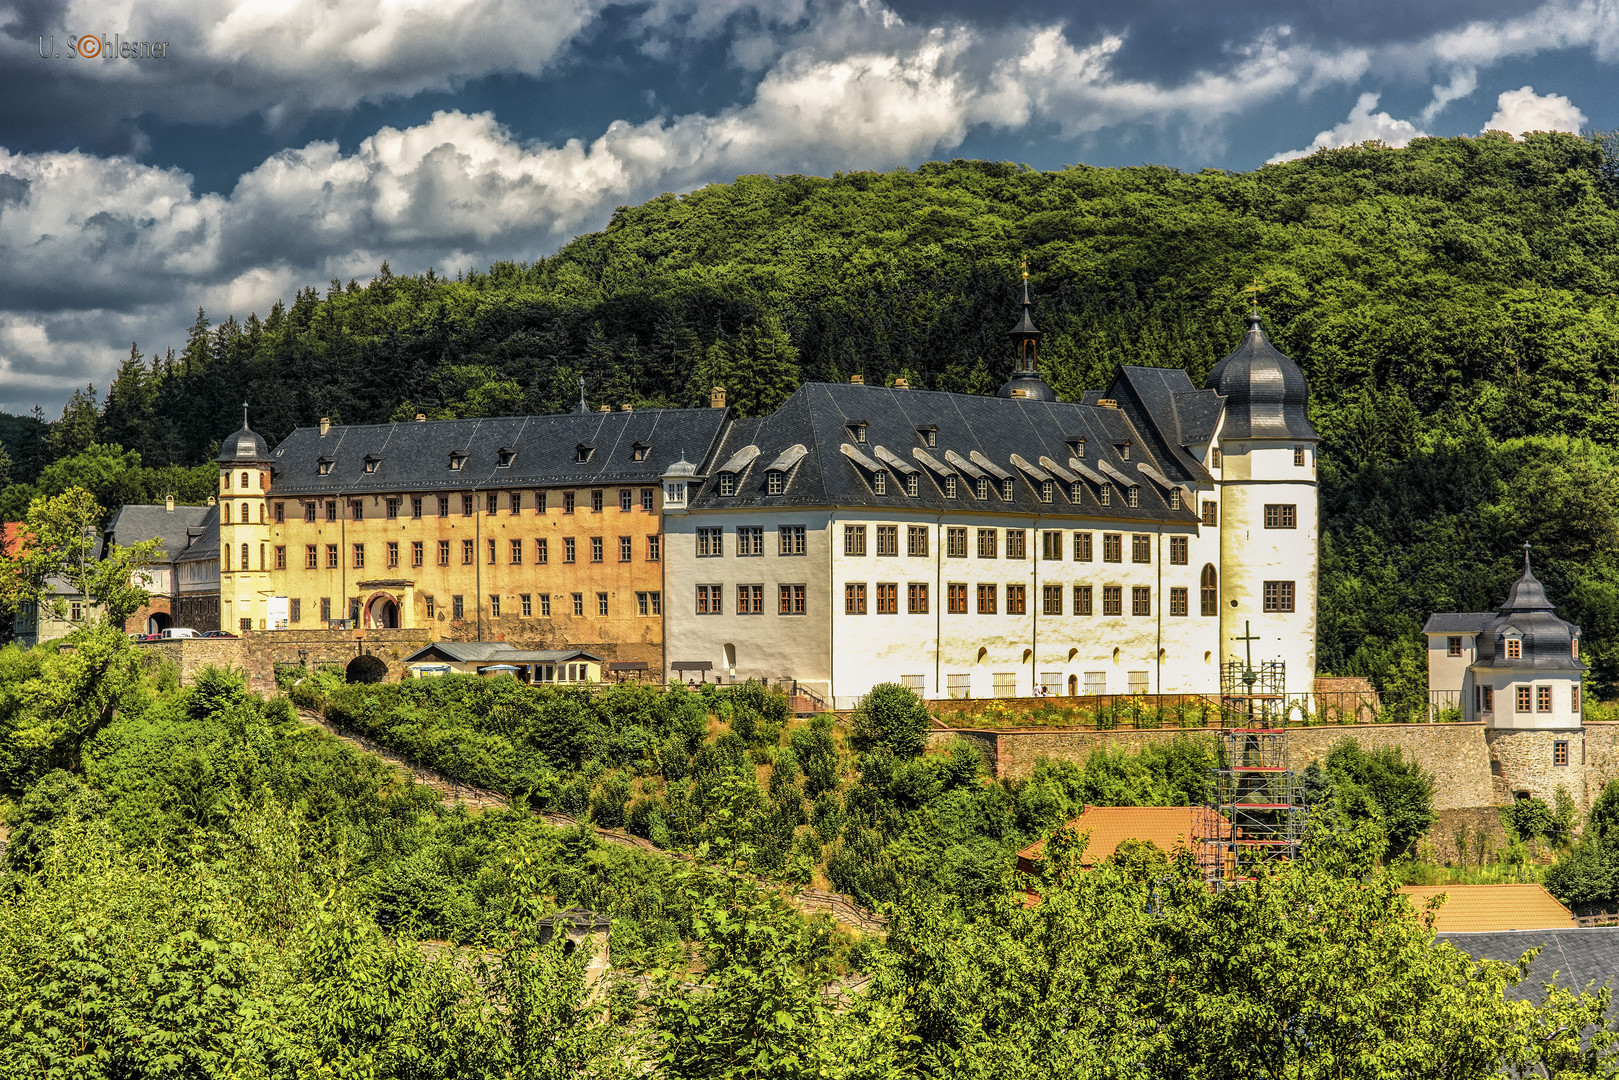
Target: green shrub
(890, 717)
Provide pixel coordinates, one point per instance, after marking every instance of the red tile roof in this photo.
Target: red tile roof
(1486, 908)
(10, 537)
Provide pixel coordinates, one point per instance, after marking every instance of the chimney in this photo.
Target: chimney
(716, 398)
(1107, 403)
(626, 407)
(212, 501)
(605, 408)
(857, 380)
(168, 503)
(421, 417)
(902, 384)
(325, 425)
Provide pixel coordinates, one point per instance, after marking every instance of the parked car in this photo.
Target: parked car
(177, 633)
(218, 633)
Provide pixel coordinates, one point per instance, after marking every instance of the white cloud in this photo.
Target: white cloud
(1463, 81)
(1522, 110)
(1362, 125)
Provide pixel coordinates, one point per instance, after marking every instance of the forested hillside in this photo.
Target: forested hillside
(1452, 302)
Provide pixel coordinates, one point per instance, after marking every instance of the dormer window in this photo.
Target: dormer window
(981, 487)
(879, 483)
(928, 435)
(775, 482)
(1133, 495)
(1006, 489)
(1514, 648)
(1175, 499)
(639, 451)
(857, 431)
(1046, 491)
(1124, 450)
(1073, 493)
(1214, 457)
(727, 483)
(913, 485)
(457, 460)
(1106, 491)
(1077, 447)
(582, 452)
(950, 487)
(371, 463)
(504, 459)
(323, 465)
(1574, 648)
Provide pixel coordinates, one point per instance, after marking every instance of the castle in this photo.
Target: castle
(966, 545)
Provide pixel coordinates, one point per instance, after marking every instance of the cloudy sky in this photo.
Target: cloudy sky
(280, 143)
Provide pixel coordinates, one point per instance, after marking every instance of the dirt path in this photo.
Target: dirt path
(812, 901)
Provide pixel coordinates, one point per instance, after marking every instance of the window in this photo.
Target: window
(596, 549)
(1046, 489)
(528, 604)
(916, 598)
(928, 435)
(491, 503)
(646, 499)
(1017, 544)
(1214, 457)
(1175, 499)
(959, 686)
(309, 512)
(514, 502)
(1489, 699)
(280, 513)
(1453, 646)
(1209, 591)
(1140, 548)
(649, 603)
(457, 461)
(639, 452)
(986, 599)
(516, 552)
(601, 604)
(417, 554)
(1514, 648)
(1177, 600)
(1281, 516)
(626, 549)
(1005, 684)
(710, 543)
(1278, 596)
(542, 551)
(326, 609)
(568, 498)
(950, 487)
(466, 505)
(1136, 682)
(1543, 699)
(1140, 600)
(1132, 495)
(1523, 698)
(359, 556)
(854, 598)
(1574, 698)
(393, 553)
(467, 553)
(887, 540)
(879, 483)
(1112, 547)
(956, 598)
(545, 605)
(1051, 545)
(1574, 648)
(1074, 490)
(1298, 456)
(311, 558)
(654, 548)
(391, 508)
(989, 544)
(955, 542)
(727, 483)
(790, 599)
(444, 553)
(331, 509)
(626, 500)
(750, 541)
(415, 506)
(494, 606)
(1560, 752)
(1112, 600)
(443, 506)
(887, 598)
(1006, 489)
(1211, 513)
(854, 539)
(981, 487)
(1105, 494)
(857, 431)
(539, 502)
(570, 550)
(281, 556)
(913, 485)
(356, 510)
(916, 541)
(1082, 600)
(579, 602)
(490, 545)
(750, 599)
(261, 558)
(1178, 550)
(297, 612)
(331, 557)
(458, 607)
(1051, 600)
(583, 452)
(595, 500)
(774, 482)
(790, 540)
(1124, 450)
(1082, 547)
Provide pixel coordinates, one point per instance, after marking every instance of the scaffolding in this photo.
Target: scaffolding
(1254, 817)
(1254, 695)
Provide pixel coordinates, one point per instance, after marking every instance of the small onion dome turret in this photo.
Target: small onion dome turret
(1026, 382)
(1266, 395)
(245, 447)
(1544, 641)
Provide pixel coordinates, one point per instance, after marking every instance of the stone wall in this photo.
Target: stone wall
(1522, 761)
(191, 655)
(262, 650)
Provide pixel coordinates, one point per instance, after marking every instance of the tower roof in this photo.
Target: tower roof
(1527, 593)
(1026, 381)
(1265, 392)
(1545, 641)
(244, 447)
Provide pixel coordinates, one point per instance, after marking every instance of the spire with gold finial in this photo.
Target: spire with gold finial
(1026, 381)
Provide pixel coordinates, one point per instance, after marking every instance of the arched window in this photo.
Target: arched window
(1210, 591)
(226, 510)
(247, 515)
(244, 482)
(244, 556)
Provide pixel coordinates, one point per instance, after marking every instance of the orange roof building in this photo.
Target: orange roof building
(1474, 909)
(1169, 827)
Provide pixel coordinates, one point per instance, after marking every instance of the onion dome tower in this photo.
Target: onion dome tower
(1269, 518)
(1026, 382)
(244, 490)
(1530, 660)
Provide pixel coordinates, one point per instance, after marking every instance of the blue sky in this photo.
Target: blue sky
(281, 145)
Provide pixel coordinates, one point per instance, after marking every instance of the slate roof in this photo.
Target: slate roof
(243, 447)
(205, 545)
(1488, 908)
(1587, 957)
(1167, 826)
(416, 455)
(477, 652)
(136, 522)
(1457, 622)
(1163, 404)
(1265, 393)
(819, 416)
(1548, 642)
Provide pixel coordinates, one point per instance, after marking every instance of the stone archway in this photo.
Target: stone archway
(382, 613)
(157, 622)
